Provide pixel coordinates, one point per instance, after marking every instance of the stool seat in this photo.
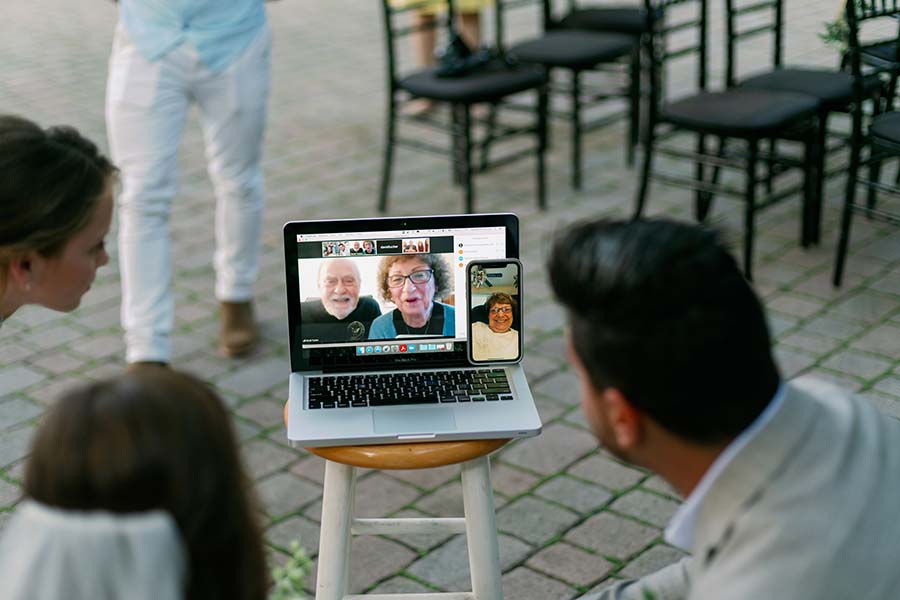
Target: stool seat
(419, 455)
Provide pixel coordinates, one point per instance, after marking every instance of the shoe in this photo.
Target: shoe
(238, 333)
(145, 365)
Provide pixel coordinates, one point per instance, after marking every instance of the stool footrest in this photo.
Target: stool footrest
(435, 596)
(407, 526)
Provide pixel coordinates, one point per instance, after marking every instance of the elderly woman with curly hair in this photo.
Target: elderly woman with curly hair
(411, 283)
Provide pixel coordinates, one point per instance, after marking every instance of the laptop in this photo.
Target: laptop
(377, 325)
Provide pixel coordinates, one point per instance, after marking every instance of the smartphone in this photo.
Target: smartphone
(494, 303)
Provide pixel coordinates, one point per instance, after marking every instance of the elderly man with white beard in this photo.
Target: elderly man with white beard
(339, 314)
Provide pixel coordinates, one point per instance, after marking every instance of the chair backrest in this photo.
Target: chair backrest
(397, 16)
(502, 8)
(668, 21)
(575, 4)
(859, 53)
(746, 19)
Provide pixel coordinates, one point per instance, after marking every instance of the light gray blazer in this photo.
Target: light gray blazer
(809, 510)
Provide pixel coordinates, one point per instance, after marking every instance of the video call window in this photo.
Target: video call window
(494, 313)
(394, 292)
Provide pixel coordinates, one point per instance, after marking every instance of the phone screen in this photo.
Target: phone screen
(495, 311)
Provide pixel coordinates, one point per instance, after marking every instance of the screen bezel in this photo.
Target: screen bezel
(492, 264)
(300, 359)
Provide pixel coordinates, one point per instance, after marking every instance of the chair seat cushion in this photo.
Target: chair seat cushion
(833, 89)
(617, 19)
(882, 55)
(491, 83)
(574, 49)
(740, 112)
(886, 127)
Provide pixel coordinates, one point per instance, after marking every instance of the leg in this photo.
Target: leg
(424, 39)
(146, 109)
(489, 135)
(808, 209)
(424, 42)
(770, 166)
(646, 169)
(456, 143)
(634, 110)
(481, 529)
(874, 175)
(233, 117)
(390, 130)
(849, 198)
(818, 199)
(576, 130)
(334, 539)
(707, 197)
(543, 101)
(465, 163)
(875, 165)
(701, 198)
(470, 29)
(750, 207)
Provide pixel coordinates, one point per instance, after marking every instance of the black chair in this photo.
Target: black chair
(742, 114)
(833, 89)
(882, 139)
(881, 56)
(577, 52)
(625, 18)
(490, 84)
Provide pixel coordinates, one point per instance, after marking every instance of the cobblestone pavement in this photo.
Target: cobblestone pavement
(570, 516)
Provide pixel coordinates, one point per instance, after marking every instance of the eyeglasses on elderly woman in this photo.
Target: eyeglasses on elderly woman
(417, 277)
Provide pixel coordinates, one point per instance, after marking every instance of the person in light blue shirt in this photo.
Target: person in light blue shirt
(166, 56)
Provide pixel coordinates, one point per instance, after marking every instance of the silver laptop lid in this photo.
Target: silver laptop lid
(344, 314)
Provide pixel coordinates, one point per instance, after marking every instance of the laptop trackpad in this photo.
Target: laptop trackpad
(406, 421)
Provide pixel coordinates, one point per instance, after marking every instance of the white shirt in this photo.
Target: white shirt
(488, 344)
(220, 30)
(680, 531)
(52, 553)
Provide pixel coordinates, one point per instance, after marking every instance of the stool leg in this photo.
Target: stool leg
(334, 539)
(481, 529)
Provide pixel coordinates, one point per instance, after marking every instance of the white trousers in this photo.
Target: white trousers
(146, 109)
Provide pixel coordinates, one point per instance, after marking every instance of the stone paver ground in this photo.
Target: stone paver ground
(571, 517)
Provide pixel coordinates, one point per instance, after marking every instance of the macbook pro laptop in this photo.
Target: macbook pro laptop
(377, 325)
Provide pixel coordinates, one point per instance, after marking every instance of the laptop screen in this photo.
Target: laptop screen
(386, 290)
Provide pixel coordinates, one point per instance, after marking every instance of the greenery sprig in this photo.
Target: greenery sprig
(290, 578)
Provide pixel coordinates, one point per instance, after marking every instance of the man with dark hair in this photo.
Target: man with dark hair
(791, 489)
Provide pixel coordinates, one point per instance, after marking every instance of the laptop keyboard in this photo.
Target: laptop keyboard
(430, 387)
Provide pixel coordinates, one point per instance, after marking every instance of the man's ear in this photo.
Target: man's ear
(624, 420)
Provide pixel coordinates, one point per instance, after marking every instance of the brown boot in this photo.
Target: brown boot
(238, 334)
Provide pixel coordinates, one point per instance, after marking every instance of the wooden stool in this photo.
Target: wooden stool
(338, 523)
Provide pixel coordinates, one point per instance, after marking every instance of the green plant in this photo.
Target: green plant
(290, 578)
(836, 34)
